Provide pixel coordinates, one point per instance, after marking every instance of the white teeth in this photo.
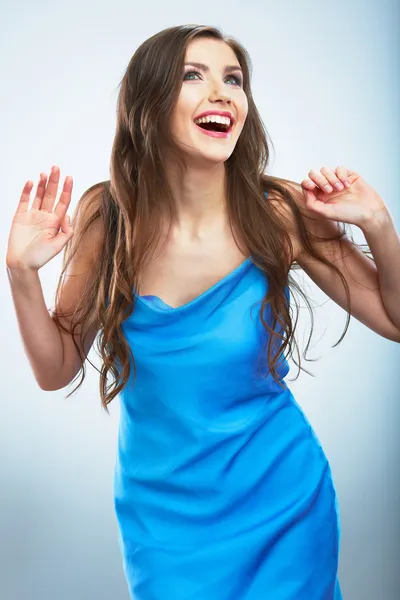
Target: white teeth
(214, 119)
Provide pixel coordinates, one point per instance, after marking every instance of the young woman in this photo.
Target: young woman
(181, 261)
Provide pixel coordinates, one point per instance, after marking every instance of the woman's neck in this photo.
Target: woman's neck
(200, 199)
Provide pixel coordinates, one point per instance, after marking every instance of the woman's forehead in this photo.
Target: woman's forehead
(199, 50)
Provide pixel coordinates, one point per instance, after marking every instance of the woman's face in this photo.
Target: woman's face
(215, 87)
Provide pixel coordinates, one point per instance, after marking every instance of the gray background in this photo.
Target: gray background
(326, 81)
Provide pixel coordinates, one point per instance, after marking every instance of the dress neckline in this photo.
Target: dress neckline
(161, 305)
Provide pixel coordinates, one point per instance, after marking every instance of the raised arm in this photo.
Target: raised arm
(37, 235)
(371, 291)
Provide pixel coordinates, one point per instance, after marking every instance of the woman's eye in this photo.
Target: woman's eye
(237, 80)
(191, 73)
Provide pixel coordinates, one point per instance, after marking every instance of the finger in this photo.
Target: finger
(51, 190)
(40, 190)
(65, 198)
(63, 236)
(66, 226)
(308, 183)
(321, 181)
(326, 180)
(332, 178)
(317, 206)
(312, 203)
(23, 203)
(342, 174)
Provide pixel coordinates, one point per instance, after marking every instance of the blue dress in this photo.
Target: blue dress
(222, 489)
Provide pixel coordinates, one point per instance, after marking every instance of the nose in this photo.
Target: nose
(219, 95)
(223, 98)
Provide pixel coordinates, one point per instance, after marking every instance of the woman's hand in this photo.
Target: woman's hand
(35, 236)
(354, 202)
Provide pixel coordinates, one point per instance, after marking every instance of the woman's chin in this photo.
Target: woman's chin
(212, 156)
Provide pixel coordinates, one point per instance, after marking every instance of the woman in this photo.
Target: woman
(181, 261)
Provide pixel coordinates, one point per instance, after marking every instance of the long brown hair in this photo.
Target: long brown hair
(136, 201)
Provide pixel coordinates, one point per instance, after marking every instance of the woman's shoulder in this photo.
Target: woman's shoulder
(296, 212)
(285, 210)
(87, 219)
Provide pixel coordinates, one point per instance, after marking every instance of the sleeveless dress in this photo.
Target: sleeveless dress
(222, 490)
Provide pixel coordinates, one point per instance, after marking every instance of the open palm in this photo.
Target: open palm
(39, 233)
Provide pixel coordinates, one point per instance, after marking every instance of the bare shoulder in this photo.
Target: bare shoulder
(315, 225)
(87, 219)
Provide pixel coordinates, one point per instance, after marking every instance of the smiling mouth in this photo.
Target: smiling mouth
(215, 129)
(218, 127)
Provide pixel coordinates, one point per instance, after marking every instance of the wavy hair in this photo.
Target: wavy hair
(134, 203)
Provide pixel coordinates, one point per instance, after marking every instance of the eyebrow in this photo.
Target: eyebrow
(205, 68)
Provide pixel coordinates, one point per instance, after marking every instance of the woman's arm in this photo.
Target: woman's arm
(374, 291)
(384, 242)
(51, 351)
(40, 335)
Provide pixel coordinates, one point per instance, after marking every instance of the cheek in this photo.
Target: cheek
(178, 123)
(244, 108)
